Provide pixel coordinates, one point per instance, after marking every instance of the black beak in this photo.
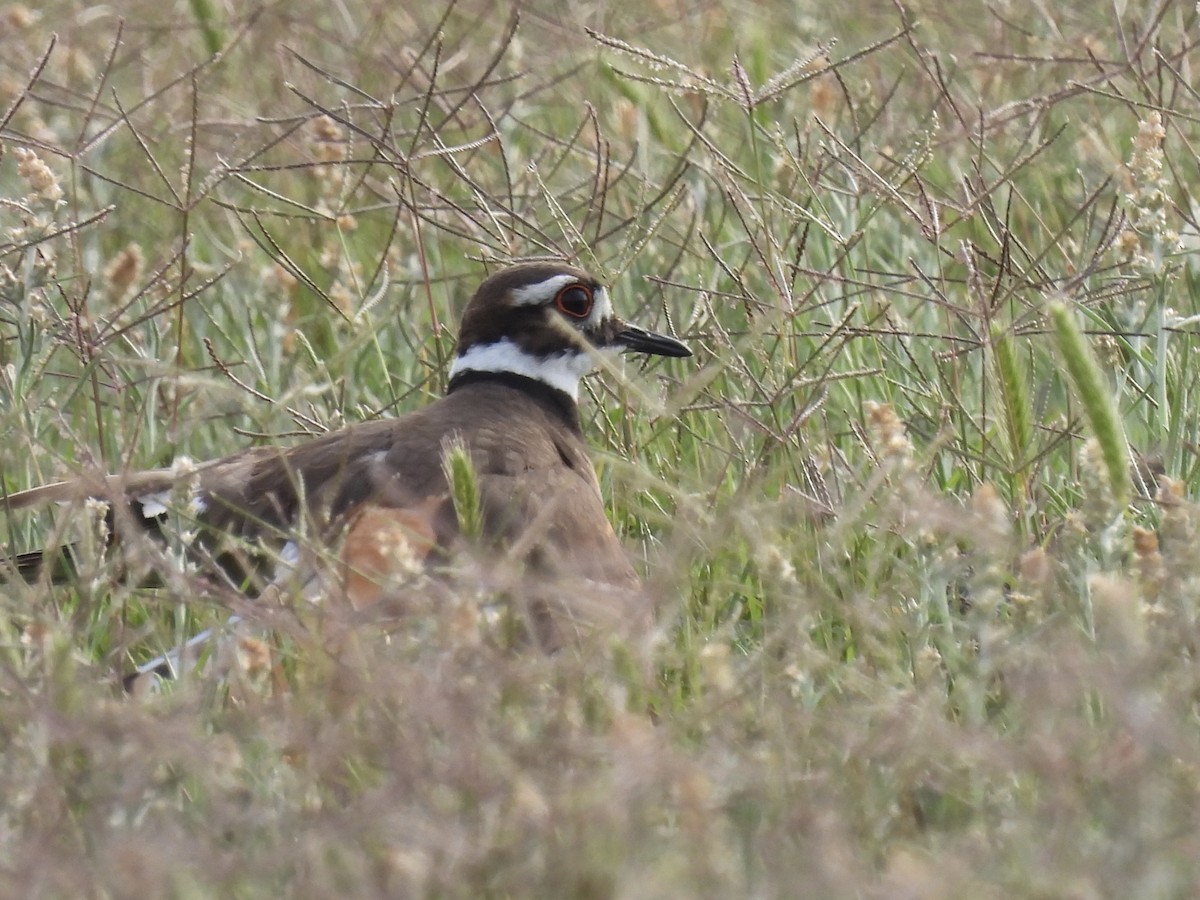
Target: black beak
(638, 340)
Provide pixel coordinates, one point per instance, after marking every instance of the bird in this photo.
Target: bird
(376, 493)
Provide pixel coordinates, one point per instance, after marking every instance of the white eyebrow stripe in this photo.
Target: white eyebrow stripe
(542, 292)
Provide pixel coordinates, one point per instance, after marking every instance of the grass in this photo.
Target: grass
(928, 614)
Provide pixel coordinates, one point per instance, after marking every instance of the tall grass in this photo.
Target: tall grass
(918, 634)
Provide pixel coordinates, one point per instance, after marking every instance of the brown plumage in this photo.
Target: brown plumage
(376, 492)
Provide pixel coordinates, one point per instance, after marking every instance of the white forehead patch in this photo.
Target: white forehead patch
(601, 308)
(542, 292)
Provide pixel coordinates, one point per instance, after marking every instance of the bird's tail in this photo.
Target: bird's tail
(57, 564)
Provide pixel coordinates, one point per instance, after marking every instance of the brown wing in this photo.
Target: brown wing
(541, 503)
(538, 488)
(107, 487)
(265, 489)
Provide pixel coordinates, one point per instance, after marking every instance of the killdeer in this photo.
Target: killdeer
(528, 335)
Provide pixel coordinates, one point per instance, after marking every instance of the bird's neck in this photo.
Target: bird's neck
(559, 404)
(560, 371)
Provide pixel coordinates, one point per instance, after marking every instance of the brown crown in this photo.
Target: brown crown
(492, 316)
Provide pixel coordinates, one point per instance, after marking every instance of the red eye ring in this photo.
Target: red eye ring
(575, 300)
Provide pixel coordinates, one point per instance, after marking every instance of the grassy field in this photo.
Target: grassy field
(917, 515)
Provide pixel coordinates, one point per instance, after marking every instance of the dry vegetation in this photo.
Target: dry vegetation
(918, 515)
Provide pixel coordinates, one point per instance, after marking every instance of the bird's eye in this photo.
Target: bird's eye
(575, 300)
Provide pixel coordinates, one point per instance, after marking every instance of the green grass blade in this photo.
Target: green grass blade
(1098, 403)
